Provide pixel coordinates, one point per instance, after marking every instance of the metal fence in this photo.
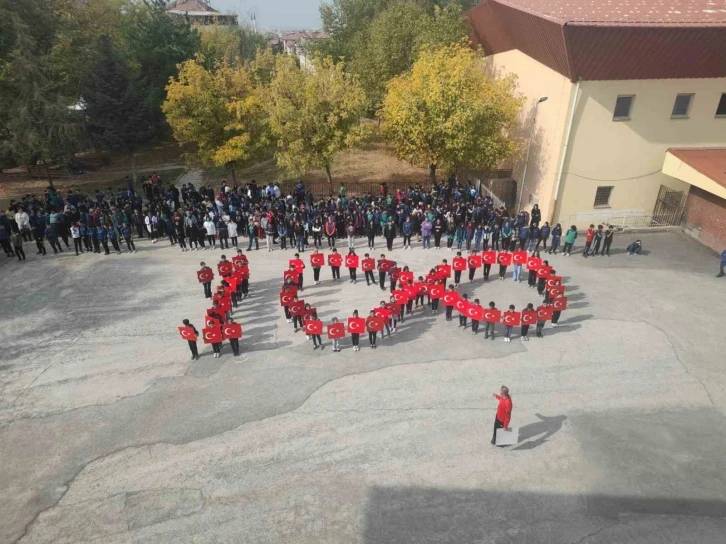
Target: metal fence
(629, 220)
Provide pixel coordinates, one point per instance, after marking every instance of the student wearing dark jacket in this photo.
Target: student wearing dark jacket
(556, 237)
(192, 343)
(607, 241)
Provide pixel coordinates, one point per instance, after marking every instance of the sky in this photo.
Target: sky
(275, 14)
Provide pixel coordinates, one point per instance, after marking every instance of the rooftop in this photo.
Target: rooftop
(191, 6)
(709, 161)
(627, 12)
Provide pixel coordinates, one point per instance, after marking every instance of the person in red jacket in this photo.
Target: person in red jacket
(504, 411)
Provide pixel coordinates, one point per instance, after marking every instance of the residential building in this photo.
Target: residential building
(297, 44)
(200, 13)
(634, 124)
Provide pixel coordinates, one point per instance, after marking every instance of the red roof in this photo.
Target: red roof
(711, 162)
(608, 40)
(627, 12)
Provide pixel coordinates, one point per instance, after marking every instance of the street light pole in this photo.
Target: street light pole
(526, 159)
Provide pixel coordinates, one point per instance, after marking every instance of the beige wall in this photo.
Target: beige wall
(629, 155)
(534, 81)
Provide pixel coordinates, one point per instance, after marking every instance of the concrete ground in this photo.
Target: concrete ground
(109, 433)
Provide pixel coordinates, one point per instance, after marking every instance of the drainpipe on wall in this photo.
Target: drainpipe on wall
(564, 150)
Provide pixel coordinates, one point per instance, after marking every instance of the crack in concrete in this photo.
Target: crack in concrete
(600, 530)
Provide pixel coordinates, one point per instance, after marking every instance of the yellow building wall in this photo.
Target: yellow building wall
(628, 155)
(534, 81)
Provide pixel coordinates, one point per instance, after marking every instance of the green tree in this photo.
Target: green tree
(314, 114)
(41, 125)
(447, 113)
(117, 117)
(231, 45)
(157, 44)
(389, 45)
(220, 112)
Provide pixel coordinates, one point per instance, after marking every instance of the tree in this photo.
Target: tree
(117, 117)
(157, 43)
(392, 41)
(231, 45)
(41, 125)
(314, 114)
(447, 113)
(220, 112)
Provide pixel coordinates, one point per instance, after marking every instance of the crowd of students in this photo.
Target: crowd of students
(409, 294)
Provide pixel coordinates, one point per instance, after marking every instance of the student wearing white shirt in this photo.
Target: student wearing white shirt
(232, 230)
(211, 232)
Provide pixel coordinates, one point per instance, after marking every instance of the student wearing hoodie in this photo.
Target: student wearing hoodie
(570, 238)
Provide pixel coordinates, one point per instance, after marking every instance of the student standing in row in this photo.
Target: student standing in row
(17, 239)
(525, 328)
(474, 322)
(489, 327)
(570, 238)
(354, 336)
(371, 333)
(607, 241)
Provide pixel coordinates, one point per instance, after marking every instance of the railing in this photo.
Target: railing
(486, 191)
(628, 220)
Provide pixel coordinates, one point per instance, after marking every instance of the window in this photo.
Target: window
(721, 109)
(622, 107)
(681, 106)
(602, 197)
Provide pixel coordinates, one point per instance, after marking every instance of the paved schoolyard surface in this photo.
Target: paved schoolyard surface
(108, 433)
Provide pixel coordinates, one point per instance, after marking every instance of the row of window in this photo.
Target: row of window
(681, 106)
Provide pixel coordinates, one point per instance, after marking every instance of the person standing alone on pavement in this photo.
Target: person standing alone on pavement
(723, 264)
(504, 411)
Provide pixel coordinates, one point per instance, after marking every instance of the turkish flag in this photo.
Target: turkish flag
(529, 317)
(212, 335)
(519, 257)
(233, 282)
(225, 268)
(474, 261)
(384, 265)
(367, 265)
(411, 292)
(556, 291)
(297, 308)
(436, 292)
(492, 315)
(225, 305)
(560, 304)
(308, 312)
(544, 313)
(383, 313)
(205, 275)
(297, 264)
(356, 325)
(459, 263)
(534, 263)
(313, 326)
(505, 259)
(450, 298)
(240, 259)
(286, 298)
(244, 271)
(400, 296)
(351, 261)
(554, 281)
(512, 319)
(444, 270)
(407, 277)
(461, 306)
(317, 260)
(187, 333)
(544, 272)
(489, 256)
(336, 331)
(232, 330)
(375, 324)
(335, 259)
(290, 275)
(422, 287)
(211, 321)
(475, 312)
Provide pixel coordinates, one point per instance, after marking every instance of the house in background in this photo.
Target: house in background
(200, 13)
(633, 127)
(297, 44)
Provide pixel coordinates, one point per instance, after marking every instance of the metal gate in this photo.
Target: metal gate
(669, 207)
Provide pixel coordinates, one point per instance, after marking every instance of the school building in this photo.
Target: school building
(625, 119)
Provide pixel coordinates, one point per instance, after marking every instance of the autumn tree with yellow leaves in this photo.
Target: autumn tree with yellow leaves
(446, 112)
(313, 113)
(220, 111)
